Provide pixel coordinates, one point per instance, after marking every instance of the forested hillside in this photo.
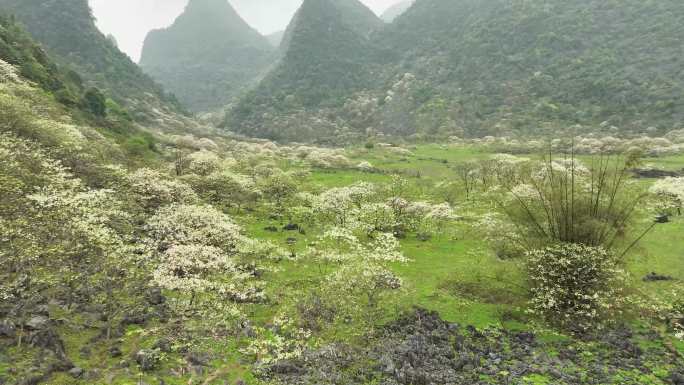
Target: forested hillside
(65, 94)
(474, 68)
(208, 56)
(326, 54)
(66, 29)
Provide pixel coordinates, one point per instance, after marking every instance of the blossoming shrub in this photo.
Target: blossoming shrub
(669, 308)
(361, 290)
(193, 225)
(669, 195)
(339, 205)
(204, 269)
(151, 189)
(285, 341)
(203, 162)
(200, 250)
(225, 188)
(575, 287)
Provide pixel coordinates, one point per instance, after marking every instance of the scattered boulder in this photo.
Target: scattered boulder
(133, 319)
(655, 173)
(154, 296)
(163, 345)
(114, 352)
(85, 352)
(653, 277)
(32, 379)
(76, 372)
(47, 339)
(197, 359)
(7, 329)
(291, 227)
(662, 219)
(271, 229)
(38, 322)
(424, 237)
(652, 173)
(421, 348)
(677, 378)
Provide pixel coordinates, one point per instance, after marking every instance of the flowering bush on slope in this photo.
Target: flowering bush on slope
(574, 286)
(669, 193)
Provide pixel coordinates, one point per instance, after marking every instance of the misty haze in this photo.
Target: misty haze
(341, 192)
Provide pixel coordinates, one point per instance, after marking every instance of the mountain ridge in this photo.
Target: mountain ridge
(476, 68)
(67, 31)
(232, 52)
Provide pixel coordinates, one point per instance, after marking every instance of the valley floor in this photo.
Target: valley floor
(458, 319)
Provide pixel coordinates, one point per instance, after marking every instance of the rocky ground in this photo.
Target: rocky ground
(422, 349)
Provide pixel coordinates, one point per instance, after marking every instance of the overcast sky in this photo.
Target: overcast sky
(130, 20)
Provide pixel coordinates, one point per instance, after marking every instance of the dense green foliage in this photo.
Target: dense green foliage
(18, 49)
(66, 29)
(63, 93)
(494, 67)
(325, 57)
(207, 56)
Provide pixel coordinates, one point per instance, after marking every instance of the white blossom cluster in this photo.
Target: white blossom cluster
(9, 73)
(338, 205)
(285, 341)
(325, 158)
(191, 142)
(669, 194)
(180, 224)
(670, 144)
(575, 286)
(203, 162)
(151, 189)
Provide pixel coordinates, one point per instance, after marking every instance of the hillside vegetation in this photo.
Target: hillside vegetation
(173, 253)
(475, 68)
(66, 30)
(208, 56)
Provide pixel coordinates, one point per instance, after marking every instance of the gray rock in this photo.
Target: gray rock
(163, 345)
(76, 372)
(38, 322)
(48, 339)
(155, 297)
(7, 329)
(114, 352)
(677, 378)
(198, 359)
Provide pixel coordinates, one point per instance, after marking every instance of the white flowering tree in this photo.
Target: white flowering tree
(203, 162)
(574, 286)
(151, 189)
(200, 250)
(57, 235)
(669, 195)
(227, 189)
(339, 205)
(278, 187)
(356, 274)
